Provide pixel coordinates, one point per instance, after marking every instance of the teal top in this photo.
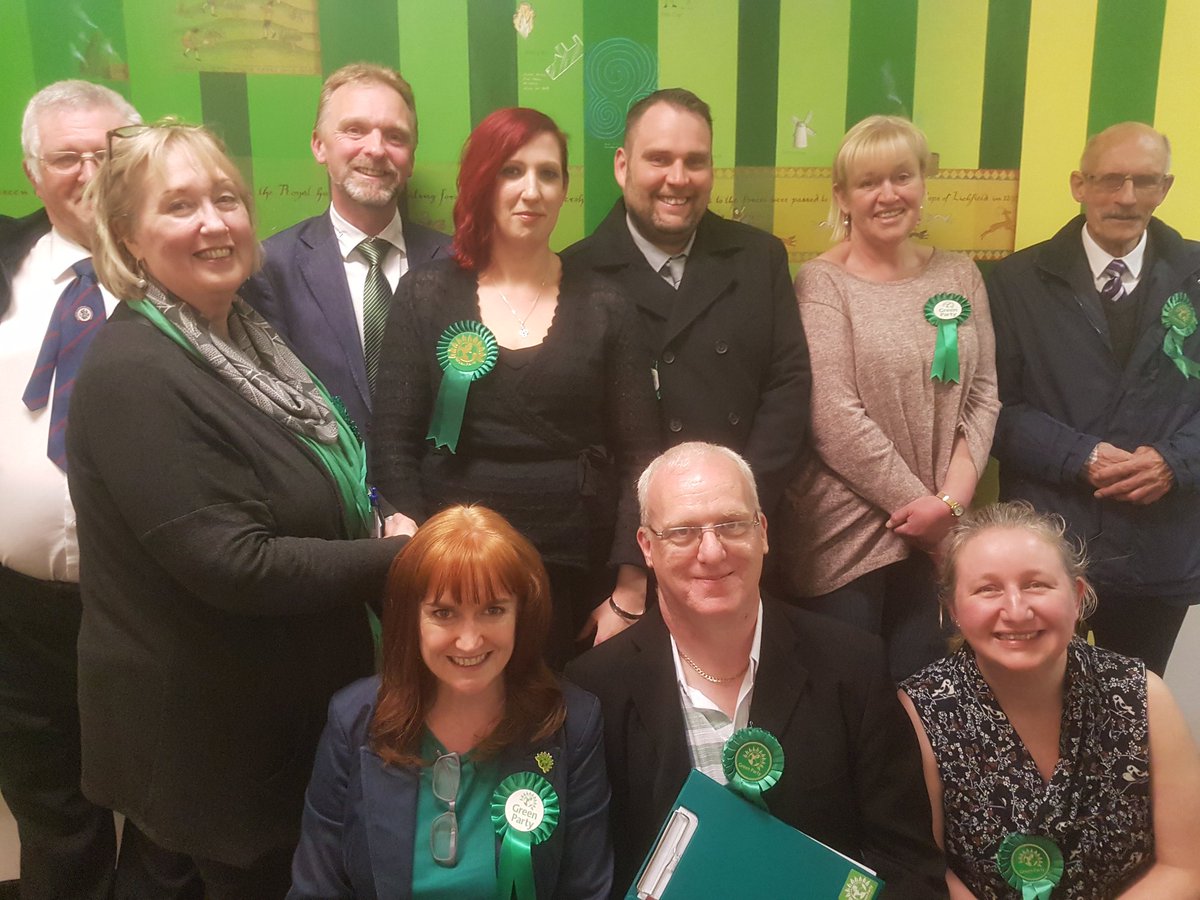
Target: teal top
(475, 873)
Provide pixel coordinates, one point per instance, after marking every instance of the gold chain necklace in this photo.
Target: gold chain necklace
(712, 678)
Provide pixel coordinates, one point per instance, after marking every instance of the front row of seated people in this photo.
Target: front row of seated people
(1025, 731)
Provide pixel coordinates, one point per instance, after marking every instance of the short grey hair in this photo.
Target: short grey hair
(70, 94)
(680, 458)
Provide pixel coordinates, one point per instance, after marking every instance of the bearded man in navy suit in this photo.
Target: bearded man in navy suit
(314, 286)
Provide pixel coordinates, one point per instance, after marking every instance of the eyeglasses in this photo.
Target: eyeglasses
(1112, 182)
(65, 162)
(443, 834)
(685, 536)
(128, 131)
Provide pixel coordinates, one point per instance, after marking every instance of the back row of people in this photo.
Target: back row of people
(176, 240)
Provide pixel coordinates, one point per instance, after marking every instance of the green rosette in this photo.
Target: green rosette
(1031, 864)
(466, 351)
(753, 763)
(524, 812)
(1179, 318)
(946, 312)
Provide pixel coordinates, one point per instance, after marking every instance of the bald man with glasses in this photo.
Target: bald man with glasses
(715, 656)
(1099, 374)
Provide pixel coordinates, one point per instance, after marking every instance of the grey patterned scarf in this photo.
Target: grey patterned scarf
(255, 362)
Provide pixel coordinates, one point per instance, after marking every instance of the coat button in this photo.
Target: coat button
(675, 425)
(734, 418)
(668, 356)
(721, 347)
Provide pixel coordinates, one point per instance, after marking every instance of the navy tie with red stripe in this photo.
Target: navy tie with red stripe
(77, 317)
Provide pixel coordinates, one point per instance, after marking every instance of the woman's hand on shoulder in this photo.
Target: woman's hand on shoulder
(922, 522)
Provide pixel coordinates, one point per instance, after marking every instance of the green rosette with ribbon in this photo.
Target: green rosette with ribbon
(1031, 864)
(753, 763)
(1179, 318)
(466, 351)
(946, 312)
(525, 811)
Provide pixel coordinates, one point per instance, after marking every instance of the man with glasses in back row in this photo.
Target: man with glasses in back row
(50, 307)
(715, 656)
(1099, 372)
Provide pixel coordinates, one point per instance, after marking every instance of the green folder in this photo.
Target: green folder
(722, 846)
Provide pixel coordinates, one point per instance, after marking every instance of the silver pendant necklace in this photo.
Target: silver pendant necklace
(522, 330)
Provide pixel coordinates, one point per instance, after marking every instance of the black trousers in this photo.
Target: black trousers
(1142, 627)
(68, 844)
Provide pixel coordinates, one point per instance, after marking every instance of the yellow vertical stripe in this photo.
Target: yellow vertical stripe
(951, 52)
(1176, 113)
(697, 50)
(814, 60)
(1059, 79)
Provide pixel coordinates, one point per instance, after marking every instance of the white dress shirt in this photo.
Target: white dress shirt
(1099, 258)
(395, 264)
(37, 520)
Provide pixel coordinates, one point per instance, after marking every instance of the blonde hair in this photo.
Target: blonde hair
(367, 73)
(1016, 515)
(873, 138)
(119, 190)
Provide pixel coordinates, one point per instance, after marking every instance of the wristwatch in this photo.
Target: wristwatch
(956, 508)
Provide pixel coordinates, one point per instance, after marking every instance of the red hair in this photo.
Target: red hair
(488, 148)
(471, 554)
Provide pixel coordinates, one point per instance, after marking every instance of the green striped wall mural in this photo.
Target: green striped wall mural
(998, 85)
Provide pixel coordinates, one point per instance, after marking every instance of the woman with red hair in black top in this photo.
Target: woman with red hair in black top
(504, 382)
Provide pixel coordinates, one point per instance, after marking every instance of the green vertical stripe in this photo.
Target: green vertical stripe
(289, 185)
(758, 81)
(757, 96)
(1125, 61)
(620, 65)
(883, 49)
(435, 58)
(226, 111)
(492, 43)
(360, 31)
(166, 83)
(550, 78)
(711, 75)
(16, 52)
(1004, 84)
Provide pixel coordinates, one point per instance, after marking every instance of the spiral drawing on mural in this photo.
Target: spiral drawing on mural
(617, 72)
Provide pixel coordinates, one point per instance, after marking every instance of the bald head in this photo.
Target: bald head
(1154, 142)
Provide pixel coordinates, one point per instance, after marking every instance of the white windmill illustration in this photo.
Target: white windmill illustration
(801, 131)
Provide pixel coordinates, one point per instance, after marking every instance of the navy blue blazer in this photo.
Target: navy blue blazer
(360, 815)
(1063, 392)
(302, 291)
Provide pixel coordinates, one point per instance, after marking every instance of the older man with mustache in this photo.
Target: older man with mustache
(1097, 362)
(328, 282)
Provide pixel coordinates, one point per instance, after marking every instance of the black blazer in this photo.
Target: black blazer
(730, 352)
(222, 603)
(852, 774)
(17, 237)
(302, 291)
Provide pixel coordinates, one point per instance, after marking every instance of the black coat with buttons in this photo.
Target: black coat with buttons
(730, 352)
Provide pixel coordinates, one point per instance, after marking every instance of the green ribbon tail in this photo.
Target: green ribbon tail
(751, 792)
(1173, 347)
(945, 353)
(1036, 890)
(445, 425)
(516, 867)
